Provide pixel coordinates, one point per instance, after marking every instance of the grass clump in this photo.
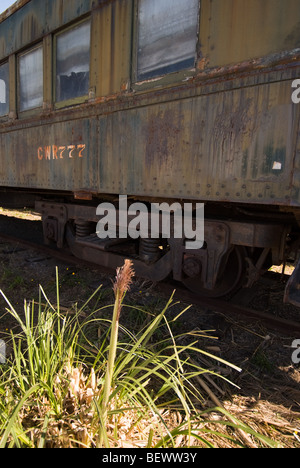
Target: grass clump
(137, 389)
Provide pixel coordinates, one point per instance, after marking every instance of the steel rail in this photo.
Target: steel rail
(229, 308)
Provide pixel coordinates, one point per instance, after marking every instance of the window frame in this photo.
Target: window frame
(6, 115)
(31, 110)
(167, 78)
(79, 99)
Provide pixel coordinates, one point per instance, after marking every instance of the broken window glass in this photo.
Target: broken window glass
(167, 36)
(73, 62)
(4, 89)
(31, 79)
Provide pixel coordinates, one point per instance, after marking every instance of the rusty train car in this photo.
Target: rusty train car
(192, 101)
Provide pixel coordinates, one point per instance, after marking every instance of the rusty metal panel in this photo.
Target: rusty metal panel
(22, 28)
(219, 144)
(229, 139)
(57, 156)
(296, 169)
(233, 31)
(111, 47)
(236, 145)
(37, 18)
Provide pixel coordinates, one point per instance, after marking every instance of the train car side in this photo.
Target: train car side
(216, 125)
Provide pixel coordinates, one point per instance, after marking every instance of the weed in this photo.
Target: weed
(131, 388)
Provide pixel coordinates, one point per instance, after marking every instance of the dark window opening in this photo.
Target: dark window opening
(73, 63)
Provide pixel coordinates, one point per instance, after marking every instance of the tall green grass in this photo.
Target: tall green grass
(129, 388)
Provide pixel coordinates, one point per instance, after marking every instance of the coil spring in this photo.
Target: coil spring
(83, 228)
(149, 250)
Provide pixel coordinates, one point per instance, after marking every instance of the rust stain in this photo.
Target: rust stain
(162, 133)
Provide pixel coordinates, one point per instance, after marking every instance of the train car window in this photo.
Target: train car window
(31, 79)
(4, 89)
(167, 36)
(73, 62)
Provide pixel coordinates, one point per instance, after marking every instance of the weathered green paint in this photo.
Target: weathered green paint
(234, 31)
(35, 20)
(220, 146)
(274, 161)
(224, 131)
(196, 147)
(55, 156)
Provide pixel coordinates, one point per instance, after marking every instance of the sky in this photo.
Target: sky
(4, 4)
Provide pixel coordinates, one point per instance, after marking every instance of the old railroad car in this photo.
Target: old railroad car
(193, 101)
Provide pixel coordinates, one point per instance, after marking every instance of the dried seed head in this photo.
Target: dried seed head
(123, 278)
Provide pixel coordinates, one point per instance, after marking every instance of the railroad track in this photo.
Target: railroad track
(167, 288)
(229, 308)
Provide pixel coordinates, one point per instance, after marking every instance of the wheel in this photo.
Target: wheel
(231, 276)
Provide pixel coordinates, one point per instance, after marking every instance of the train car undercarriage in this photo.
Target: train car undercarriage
(235, 253)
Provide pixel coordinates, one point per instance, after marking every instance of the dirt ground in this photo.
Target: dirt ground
(266, 393)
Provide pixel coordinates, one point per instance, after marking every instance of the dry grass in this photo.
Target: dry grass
(143, 389)
(273, 414)
(21, 214)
